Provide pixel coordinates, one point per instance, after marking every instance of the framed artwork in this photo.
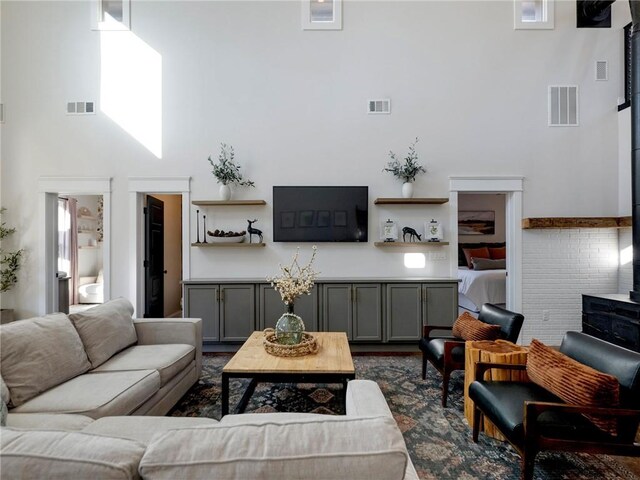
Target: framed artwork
(110, 15)
(321, 14)
(306, 218)
(481, 222)
(324, 218)
(340, 218)
(287, 219)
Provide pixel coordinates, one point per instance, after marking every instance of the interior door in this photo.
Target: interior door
(154, 258)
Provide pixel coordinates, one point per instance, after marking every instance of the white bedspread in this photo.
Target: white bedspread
(483, 286)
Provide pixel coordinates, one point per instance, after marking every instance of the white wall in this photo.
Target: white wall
(293, 104)
(490, 202)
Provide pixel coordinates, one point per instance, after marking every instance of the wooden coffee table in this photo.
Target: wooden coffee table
(332, 364)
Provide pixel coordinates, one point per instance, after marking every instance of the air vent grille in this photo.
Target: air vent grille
(563, 106)
(80, 108)
(379, 106)
(602, 70)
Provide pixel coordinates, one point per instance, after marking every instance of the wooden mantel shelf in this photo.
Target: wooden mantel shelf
(575, 222)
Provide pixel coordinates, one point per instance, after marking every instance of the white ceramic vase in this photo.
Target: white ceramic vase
(407, 190)
(225, 192)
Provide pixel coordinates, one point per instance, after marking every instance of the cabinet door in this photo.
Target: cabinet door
(404, 311)
(336, 308)
(237, 312)
(201, 301)
(367, 312)
(271, 307)
(441, 304)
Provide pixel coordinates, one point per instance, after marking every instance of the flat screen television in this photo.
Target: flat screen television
(320, 214)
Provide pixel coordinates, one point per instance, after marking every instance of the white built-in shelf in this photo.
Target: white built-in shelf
(87, 230)
(224, 203)
(409, 244)
(233, 245)
(410, 201)
(86, 217)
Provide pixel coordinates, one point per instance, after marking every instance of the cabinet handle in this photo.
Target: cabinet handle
(222, 294)
(217, 295)
(355, 295)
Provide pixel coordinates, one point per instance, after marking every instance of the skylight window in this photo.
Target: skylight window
(533, 14)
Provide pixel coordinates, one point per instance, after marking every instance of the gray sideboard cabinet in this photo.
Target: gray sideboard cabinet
(354, 308)
(203, 301)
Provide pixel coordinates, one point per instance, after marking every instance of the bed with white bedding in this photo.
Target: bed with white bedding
(477, 287)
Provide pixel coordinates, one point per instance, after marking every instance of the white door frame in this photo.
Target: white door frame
(49, 188)
(511, 186)
(138, 188)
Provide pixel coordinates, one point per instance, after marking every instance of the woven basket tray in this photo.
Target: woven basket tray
(308, 345)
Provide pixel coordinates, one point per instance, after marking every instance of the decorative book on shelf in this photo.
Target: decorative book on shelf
(223, 203)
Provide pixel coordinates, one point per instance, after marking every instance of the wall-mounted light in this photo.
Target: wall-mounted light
(415, 260)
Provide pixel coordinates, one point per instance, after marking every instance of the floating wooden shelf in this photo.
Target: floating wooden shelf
(234, 245)
(410, 201)
(575, 222)
(223, 203)
(410, 244)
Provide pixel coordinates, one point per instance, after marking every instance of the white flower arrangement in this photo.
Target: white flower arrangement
(295, 280)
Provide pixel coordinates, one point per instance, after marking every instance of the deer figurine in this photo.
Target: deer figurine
(411, 232)
(253, 231)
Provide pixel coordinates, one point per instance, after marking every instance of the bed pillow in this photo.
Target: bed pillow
(498, 253)
(468, 327)
(481, 252)
(573, 382)
(487, 264)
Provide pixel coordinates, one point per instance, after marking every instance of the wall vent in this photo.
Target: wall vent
(563, 105)
(379, 106)
(602, 70)
(80, 108)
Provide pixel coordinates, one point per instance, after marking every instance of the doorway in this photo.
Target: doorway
(163, 255)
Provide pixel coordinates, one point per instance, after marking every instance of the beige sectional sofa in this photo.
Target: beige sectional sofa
(98, 363)
(71, 416)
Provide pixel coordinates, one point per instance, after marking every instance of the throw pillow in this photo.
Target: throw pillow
(499, 253)
(486, 264)
(38, 354)
(573, 382)
(106, 329)
(468, 327)
(469, 253)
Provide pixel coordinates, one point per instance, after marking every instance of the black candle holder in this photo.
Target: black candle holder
(197, 226)
(204, 228)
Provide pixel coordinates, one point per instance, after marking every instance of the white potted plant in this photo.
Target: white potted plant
(407, 170)
(10, 262)
(227, 172)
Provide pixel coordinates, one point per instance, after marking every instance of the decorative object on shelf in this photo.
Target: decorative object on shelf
(433, 230)
(84, 212)
(220, 236)
(389, 231)
(100, 215)
(293, 282)
(307, 345)
(197, 226)
(227, 172)
(407, 170)
(412, 234)
(204, 228)
(10, 263)
(253, 231)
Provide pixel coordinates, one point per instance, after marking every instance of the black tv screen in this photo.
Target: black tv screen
(320, 214)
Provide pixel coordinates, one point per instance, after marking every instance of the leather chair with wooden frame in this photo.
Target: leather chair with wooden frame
(533, 419)
(446, 353)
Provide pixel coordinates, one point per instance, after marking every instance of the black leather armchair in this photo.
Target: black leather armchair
(533, 419)
(446, 354)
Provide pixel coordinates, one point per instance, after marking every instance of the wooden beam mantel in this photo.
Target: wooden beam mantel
(575, 222)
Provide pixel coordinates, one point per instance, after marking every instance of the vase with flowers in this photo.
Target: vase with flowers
(293, 282)
(407, 170)
(227, 172)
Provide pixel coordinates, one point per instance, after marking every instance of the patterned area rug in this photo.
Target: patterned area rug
(438, 439)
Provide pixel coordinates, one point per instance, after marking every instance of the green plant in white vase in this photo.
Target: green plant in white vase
(406, 170)
(227, 172)
(10, 263)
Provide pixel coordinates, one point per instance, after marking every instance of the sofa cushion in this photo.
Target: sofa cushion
(573, 382)
(168, 360)
(143, 429)
(39, 353)
(48, 421)
(434, 348)
(469, 327)
(260, 418)
(366, 448)
(97, 394)
(63, 455)
(105, 329)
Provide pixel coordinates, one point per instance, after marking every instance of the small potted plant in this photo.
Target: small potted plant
(407, 170)
(10, 263)
(227, 172)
